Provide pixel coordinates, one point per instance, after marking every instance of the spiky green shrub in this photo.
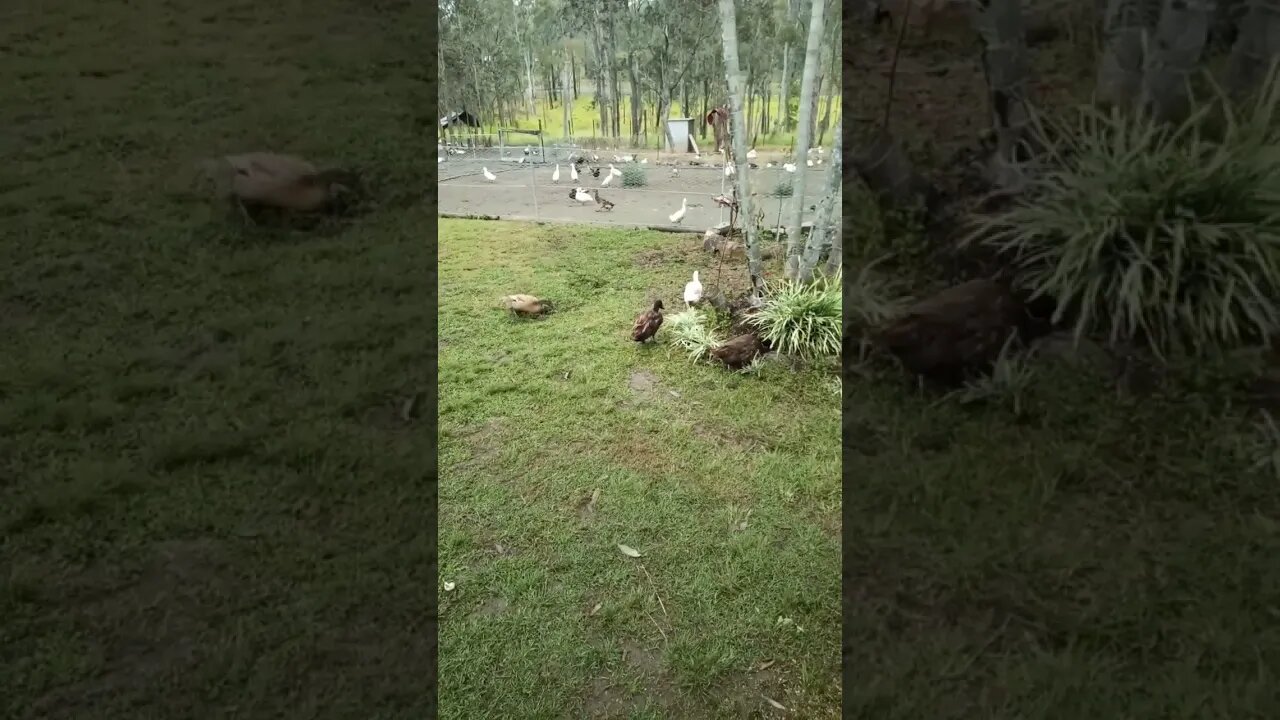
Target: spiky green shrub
(633, 175)
(873, 299)
(784, 188)
(1155, 233)
(1009, 380)
(690, 331)
(801, 319)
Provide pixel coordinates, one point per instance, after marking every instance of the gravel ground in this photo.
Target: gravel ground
(526, 192)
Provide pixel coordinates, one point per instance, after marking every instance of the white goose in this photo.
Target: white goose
(678, 215)
(614, 171)
(582, 196)
(573, 172)
(555, 176)
(789, 167)
(728, 169)
(751, 154)
(488, 175)
(692, 290)
(607, 179)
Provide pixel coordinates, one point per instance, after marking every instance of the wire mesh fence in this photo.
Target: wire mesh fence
(640, 188)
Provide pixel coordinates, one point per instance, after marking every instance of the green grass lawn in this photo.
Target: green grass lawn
(728, 484)
(210, 503)
(584, 113)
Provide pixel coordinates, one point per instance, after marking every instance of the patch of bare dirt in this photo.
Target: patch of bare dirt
(484, 441)
(718, 436)
(645, 385)
(492, 607)
(145, 644)
(396, 413)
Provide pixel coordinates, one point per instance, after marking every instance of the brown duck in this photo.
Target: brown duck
(647, 323)
(279, 181)
(738, 352)
(525, 305)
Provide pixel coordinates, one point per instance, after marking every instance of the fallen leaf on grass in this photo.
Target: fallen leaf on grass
(629, 551)
(765, 665)
(448, 586)
(595, 609)
(591, 504)
(774, 703)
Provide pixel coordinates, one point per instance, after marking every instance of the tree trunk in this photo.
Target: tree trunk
(1120, 67)
(784, 112)
(764, 108)
(528, 73)
(818, 235)
(1256, 47)
(1179, 41)
(573, 69)
(1004, 59)
(637, 106)
(804, 125)
(706, 108)
(729, 32)
(566, 95)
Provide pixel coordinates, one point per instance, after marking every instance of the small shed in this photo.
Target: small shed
(680, 135)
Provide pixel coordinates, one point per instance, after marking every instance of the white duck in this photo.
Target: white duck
(808, 163)
(644, 161)
(751, 154)
(728, 170)
(607, 178)
(488, 175)
(678, 215)
(614, 171)
(789, 167)
(573, 173)
(555, 176)
(692, 290)
(582, 196)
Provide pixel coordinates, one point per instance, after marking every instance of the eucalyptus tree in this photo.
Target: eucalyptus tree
(804, 129)
(729, 44)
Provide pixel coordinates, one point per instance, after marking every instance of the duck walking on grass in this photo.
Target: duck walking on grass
(693, 290)
(647, 323)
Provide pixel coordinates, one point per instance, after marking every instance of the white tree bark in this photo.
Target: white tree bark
(729, 35)
(1256, 47)
(822, 221)
(1173, 55)
(804, 129)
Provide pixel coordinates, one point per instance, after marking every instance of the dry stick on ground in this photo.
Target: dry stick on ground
(893, 67)
(654, 585)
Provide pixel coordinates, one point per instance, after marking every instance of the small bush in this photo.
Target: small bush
(783, 189)
(873, 300)
(690, 331)
(1009, 380)
(634, 175)
(802, 319)
(1155, 233)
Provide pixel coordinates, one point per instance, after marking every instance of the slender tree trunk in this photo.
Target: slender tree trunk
(566, 99)
(1180, 39)
(573, 68)
(818, 235)
(637, 106)
(528, 72)
(1257, 46)
(1125, 27)
(783, 95)
(706, 108)
(764, 117)
(1008, 71)
(804, 128)
(729, 31)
